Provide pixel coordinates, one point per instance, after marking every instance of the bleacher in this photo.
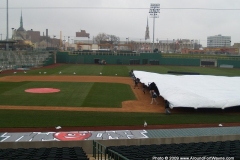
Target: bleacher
(44, 153)
(229, 149)
(200, 149)
(13, 60)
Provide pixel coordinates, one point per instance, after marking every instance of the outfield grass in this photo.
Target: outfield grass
(95, 95)
(72, 94)
(122, 70)
(16, 118)
(201, 70)
(89, 70)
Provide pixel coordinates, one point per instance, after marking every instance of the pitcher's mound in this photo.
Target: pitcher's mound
(42, 90)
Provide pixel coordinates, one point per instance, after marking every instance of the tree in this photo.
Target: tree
(114, 39)
(103, 37)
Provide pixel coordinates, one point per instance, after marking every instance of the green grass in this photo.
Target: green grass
(16, 118)
(71, 95)
(89, 70)
(201, 70)
(122, 70)
(108, 94)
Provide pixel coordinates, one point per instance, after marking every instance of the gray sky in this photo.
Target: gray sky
(126, 18)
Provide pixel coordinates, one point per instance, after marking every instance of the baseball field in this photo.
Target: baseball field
(91, 96)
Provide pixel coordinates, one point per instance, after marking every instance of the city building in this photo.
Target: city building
(237, 45)
(176, 46)
(82, 34)
(219, 41)
(33, 38)
(22, 34)
(82, 37)
(212, 51)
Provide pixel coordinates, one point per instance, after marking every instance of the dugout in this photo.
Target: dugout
(96, 61)
(208, 62)
(154, 62)
(134, 61)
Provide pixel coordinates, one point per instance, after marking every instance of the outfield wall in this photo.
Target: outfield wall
(131, 58)
(125, 59)
(180, 61)
(235, 63)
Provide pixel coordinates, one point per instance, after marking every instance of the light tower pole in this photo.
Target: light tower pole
(68, 41)
(127, 40)
(12, 33)
(7, 45)
(154, 10)
(64, 41)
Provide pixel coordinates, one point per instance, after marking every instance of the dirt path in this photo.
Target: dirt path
(142, 104)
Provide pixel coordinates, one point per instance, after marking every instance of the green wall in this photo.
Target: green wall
(141, 58)
(235, 63)
(180, 61)
(87, 58)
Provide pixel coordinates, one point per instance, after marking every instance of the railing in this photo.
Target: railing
(201, 56)
(99, 152)
(99, 149)
(104, 53)
(115, 156)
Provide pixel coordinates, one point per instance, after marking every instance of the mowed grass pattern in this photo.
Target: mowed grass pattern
(116, 94)
(96, 94)
(123, 70)
(72, 94)
(17, 118)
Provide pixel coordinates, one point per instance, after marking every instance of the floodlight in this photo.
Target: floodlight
(153, 11)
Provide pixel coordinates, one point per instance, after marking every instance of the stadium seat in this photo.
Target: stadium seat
(224, 149)
(44, 153)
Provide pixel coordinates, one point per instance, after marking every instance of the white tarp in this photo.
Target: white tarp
(197, 91)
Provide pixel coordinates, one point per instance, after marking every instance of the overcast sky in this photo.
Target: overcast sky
(126, 18)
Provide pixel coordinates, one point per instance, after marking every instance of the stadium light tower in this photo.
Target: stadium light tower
(153, 11)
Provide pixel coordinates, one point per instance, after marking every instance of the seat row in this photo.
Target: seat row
(208, 149)
(44, 153)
